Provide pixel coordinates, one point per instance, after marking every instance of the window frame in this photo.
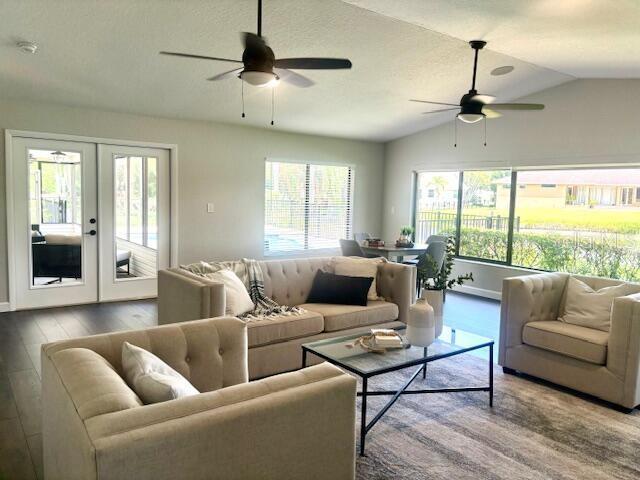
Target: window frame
(349, 212)
(513, 186)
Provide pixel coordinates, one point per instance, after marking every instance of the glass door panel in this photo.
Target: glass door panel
(134, 198)
(54, 203)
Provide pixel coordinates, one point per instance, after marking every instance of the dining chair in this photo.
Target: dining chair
(351, 248)
(430, 262)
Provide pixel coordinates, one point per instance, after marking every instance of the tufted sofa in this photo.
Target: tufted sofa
(95, 427)
(533, 341)
(274, 344)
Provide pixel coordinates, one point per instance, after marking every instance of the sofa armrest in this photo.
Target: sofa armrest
(183, 296)
(526, 299)
(294, 425)
(397, 283)
(623, 353)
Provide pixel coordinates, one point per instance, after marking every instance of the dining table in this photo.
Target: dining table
(391, 252)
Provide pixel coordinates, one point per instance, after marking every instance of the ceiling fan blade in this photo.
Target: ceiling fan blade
(224, 75)
(435, 103)
(441, 110)
(517, 106)
(482, 98)
(313, 63)
(489, 113)
(200, 57)
(293, 78)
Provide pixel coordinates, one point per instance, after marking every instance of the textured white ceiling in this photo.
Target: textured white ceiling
(103, 54)
(583, 38)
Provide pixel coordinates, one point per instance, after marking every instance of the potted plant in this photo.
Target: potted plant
(433, 282)
(405, 237)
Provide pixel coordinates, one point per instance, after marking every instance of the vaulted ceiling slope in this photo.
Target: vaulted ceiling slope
(582, 38)
(104, 55)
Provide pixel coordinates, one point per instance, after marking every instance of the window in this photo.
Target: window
(307, 206)
(136, 200)
(485, 214)
(436, 204)
(587, 224)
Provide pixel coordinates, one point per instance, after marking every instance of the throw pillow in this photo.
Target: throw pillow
(339, 289)
(359, 267)
(153, 380)
(237, 298)
(587, 307)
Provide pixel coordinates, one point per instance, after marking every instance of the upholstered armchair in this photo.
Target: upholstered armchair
(533, 341)
(289, 426)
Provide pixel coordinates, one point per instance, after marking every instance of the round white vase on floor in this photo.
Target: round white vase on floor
(421, 327)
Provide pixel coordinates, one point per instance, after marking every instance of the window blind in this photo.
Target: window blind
(307, 206)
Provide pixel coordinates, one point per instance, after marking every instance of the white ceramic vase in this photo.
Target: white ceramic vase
(435, 298)
(421, 328)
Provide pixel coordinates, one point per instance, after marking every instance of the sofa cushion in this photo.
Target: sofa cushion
(283, 327)
(583, 343)
(341, 317)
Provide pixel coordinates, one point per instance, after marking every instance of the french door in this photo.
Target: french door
(89, 222)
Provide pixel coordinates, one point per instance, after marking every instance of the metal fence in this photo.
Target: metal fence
(436, 222)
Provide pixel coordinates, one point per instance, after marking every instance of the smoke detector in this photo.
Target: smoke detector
(27, 47)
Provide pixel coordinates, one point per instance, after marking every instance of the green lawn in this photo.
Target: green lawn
(622, 220)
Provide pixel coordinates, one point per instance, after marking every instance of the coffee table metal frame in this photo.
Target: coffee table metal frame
(422, 362)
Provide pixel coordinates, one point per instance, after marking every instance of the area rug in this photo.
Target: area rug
(534, 431)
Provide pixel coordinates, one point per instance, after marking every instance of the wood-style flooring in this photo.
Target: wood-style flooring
(22, 334)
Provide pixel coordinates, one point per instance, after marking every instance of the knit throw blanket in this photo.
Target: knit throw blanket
(249, 271)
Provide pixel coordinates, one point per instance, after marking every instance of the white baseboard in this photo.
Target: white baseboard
(4, 307)
(479, 292)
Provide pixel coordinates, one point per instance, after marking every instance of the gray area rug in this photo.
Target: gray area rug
(534, 431)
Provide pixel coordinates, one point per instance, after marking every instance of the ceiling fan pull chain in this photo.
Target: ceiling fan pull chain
(455, 129)
(485, 131)
(242, 96)
(273, 94)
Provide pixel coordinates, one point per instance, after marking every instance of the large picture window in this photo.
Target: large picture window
(584, 221)
(307, 206)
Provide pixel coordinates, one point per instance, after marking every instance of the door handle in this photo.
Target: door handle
(91, 232)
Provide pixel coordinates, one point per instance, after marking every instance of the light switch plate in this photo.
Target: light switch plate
(211, 208)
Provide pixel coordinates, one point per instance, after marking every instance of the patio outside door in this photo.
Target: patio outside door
(91, 222)
(55, 225)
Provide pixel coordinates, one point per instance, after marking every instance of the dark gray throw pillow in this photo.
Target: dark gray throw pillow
(339, 289)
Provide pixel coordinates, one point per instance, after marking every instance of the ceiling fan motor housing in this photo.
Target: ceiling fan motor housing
(470, 106)
(258, 58)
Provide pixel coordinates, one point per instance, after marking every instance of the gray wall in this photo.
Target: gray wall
(218, 163)
(585, 122)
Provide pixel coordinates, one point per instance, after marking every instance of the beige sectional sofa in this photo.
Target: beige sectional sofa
(290, 426)
(274, 344)
(533, 340)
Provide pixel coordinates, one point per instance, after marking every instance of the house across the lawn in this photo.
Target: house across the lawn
(558, 188)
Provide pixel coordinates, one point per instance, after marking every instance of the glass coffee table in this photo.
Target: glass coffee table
(342, 352)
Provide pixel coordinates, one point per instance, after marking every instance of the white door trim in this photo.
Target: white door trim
(9, 134)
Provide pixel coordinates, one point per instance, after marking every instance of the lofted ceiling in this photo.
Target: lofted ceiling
(582, 38)
(104, 54)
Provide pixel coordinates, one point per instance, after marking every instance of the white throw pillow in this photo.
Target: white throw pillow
(237, 298)
(359, 267)
(153, 380)
(587, 307)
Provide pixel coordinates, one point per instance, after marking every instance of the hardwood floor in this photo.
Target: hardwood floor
(22, 334)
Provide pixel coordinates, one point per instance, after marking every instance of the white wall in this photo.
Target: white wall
(584, 122)
(219, 163)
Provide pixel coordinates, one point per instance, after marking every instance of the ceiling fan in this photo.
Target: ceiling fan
(262, 69)
(473, 105)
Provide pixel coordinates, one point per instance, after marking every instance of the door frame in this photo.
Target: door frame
(9, 134)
